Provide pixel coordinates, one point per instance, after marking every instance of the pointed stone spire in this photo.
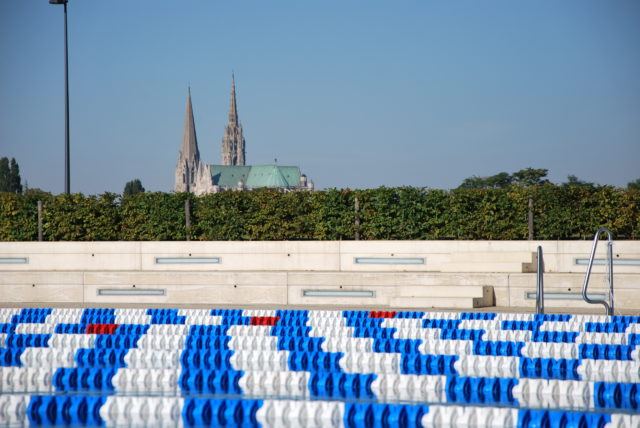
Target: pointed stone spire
(189, 140)
(189, 166)
(233, 144)
(233, 108)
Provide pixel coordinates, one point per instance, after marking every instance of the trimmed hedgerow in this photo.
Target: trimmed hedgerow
(560, 212)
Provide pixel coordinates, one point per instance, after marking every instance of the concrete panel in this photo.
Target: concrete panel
(584, 247)
(54, 256)
(446, 256)
(432, 247)
(400, 247)
(501, 296)
(79, 262)
(485, 267)
(241, 247)
(396, 278)
(41, 292)
(573, 282)
(61, 287)
(185, 278)
(567, 262)
(395, 296)
(67, 247)
(380, 299)
(624, 299)
(386, 260)
(252, 255)
(436, 302)
(505, 262)
(626, 286)
(513, 257)
(571, 250)
(28, 278)
(201, 294)
(247, 261)
(451, 291)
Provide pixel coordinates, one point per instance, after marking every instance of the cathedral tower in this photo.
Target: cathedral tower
(189, 158)
(233, 152)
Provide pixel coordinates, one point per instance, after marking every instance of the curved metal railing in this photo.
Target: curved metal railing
(608, 305)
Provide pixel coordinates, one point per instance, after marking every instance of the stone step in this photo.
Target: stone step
(445, 291)
(453, 296)
(440, 302)
(422, 296)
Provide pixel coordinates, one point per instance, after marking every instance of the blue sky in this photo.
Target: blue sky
(358, 93)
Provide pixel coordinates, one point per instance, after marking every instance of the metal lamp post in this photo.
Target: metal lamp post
(67, 174)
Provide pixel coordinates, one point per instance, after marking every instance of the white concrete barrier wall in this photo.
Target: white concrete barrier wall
(399, 273)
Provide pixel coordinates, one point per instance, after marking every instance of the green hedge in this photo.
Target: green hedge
(560, 212)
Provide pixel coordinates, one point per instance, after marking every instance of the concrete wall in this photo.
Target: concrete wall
(399, 273)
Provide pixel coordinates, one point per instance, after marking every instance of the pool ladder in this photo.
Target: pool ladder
(608, 305)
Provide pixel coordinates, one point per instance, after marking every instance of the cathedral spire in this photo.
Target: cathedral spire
(189, 140)
(233, 151)
(189, 168)
(233, 108)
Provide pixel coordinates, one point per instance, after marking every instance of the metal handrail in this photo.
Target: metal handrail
(607, 305)
(540, 283)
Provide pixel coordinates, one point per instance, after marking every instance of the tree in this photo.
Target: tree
(530, 176)
(473, 182)
(635, 185)
(133, 187)
(35, 192)
(10, 176)
(5, 173)
(497, 181)
(15, 182)
(573, 180)
(524, 177)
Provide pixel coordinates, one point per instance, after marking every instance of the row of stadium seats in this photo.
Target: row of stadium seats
(236, 366)
(50, 410)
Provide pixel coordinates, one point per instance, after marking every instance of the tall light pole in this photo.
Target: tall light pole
(67, 173)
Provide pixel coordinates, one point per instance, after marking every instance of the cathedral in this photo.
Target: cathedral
(193, 175)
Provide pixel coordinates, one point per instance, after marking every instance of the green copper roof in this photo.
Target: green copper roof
(276, 176)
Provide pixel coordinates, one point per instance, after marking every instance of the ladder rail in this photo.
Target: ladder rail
(608, 305)
(540, 282)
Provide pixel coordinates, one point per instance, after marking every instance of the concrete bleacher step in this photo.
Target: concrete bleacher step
(438, 303)
(399, 296)
(450, 296)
